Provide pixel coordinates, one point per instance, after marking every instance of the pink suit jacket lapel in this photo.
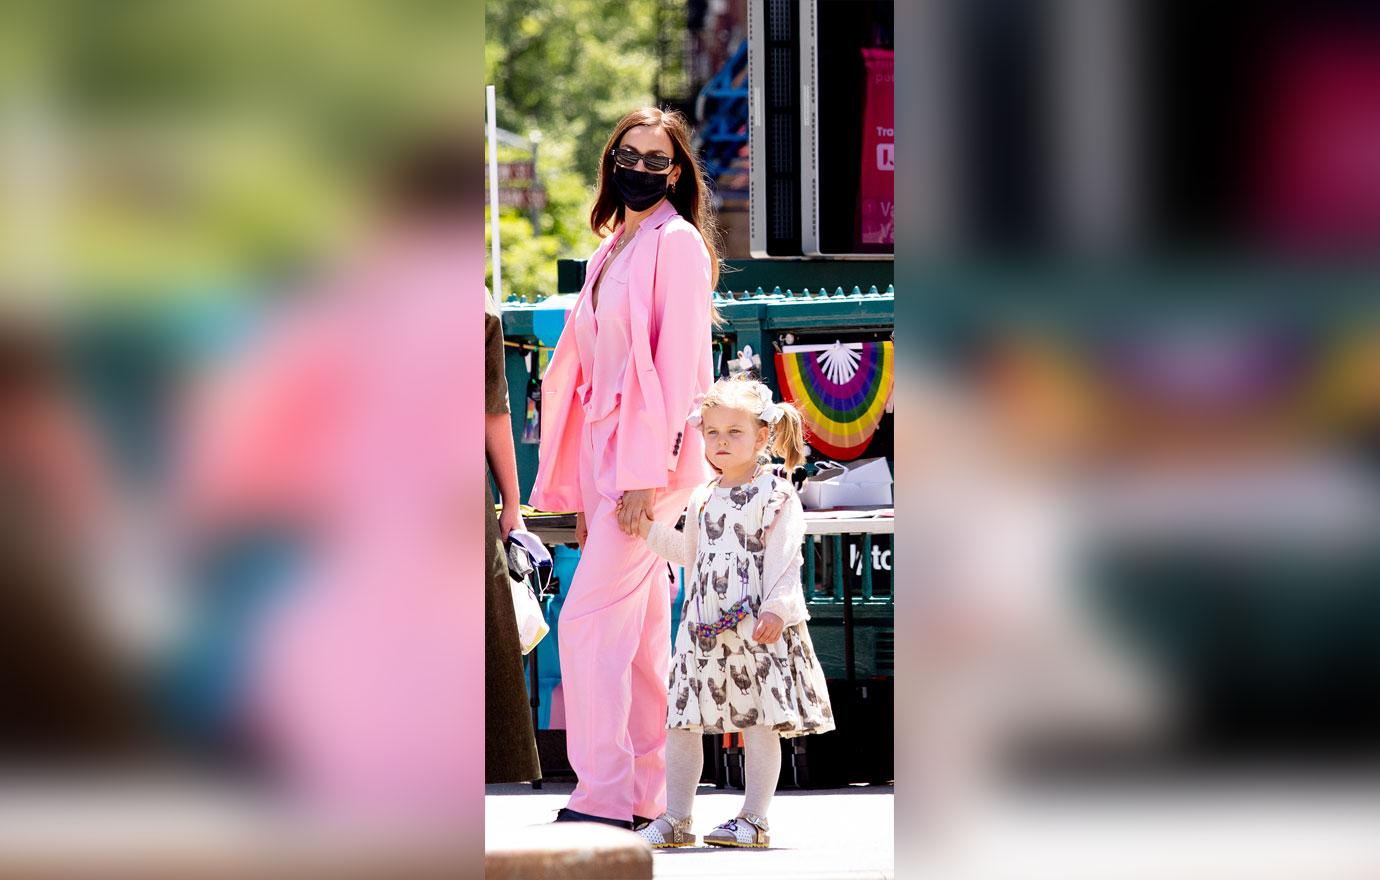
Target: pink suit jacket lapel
(557, 481)
(643, 408)
(642, 276)
(566, 359)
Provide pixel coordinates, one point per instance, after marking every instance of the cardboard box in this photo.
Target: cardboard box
(863, 483)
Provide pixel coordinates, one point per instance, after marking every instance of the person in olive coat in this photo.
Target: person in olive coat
(510, 747)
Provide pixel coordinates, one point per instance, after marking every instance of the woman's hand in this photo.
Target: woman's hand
(768, 628)
(644, 525)
(510, 519)
(581, 530)
(635, 506)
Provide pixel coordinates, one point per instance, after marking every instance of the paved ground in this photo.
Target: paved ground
(837, 833)
(1269, 827)
(1261, 828)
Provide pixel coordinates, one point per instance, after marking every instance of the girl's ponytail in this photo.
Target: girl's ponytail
(788, 437)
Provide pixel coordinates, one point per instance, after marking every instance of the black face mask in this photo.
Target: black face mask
(639, 189)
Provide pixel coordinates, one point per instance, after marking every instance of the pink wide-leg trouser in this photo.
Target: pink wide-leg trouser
(615, 648)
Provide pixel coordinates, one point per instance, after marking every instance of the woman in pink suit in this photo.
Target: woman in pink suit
(620, 387)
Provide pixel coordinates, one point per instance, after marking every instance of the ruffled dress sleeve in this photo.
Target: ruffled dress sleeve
(782, 591)
(678, 547)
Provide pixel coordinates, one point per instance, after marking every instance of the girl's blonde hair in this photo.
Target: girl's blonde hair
(787, 438)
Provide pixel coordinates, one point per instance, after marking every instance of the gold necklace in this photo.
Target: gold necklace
(613, 255)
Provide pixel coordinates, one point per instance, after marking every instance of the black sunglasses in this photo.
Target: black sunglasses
(627, 157)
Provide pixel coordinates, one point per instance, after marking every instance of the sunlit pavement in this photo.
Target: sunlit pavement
(1264, 827)
(834, 833)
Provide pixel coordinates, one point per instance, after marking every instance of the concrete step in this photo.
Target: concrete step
(129, 828)
(573, 850)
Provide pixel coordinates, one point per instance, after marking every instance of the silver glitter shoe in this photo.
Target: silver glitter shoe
(666, 831)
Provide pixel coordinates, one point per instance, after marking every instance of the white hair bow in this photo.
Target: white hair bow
(694, 419)
(771, 413)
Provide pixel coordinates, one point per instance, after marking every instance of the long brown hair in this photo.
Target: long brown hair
(690, 197)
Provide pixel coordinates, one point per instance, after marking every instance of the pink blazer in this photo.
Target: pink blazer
(669, 292)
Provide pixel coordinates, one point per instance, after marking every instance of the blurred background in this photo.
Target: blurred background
(1137, 409)
(1138, 295)
(221, 225)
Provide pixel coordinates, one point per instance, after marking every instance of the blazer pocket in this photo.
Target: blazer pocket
(600, 405)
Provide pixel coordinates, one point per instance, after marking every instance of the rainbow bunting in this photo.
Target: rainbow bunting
(842, 406)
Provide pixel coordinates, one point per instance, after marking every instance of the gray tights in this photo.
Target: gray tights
(685, 763)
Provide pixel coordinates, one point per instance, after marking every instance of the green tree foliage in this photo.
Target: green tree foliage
(192, 144)
(569, 69)
(220, 140)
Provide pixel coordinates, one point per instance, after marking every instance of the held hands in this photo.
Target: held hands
(768, 628)
(635, 511)
(641, 526)
(581, 530)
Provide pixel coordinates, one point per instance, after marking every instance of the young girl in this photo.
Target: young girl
(743, 658)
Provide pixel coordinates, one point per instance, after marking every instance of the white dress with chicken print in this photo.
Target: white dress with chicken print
(744, 542)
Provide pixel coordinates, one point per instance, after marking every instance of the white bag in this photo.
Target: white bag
(528, 561)
(862, 483)
(531, 622)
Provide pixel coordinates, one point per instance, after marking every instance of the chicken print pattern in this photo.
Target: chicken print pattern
(715, 530)
(729, 682)
(741, 495)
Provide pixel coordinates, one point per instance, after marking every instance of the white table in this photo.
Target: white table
(822, 522)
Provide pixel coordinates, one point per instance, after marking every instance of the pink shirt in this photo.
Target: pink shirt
(604, 348)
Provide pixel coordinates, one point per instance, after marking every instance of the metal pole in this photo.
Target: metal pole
(535, 698)
(493, 192)
(844, 592)
(867, 566)
(533, 212)
(836, 541)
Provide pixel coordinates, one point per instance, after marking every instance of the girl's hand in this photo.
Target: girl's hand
(768, 628)
(581, 530)
(634, 506)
